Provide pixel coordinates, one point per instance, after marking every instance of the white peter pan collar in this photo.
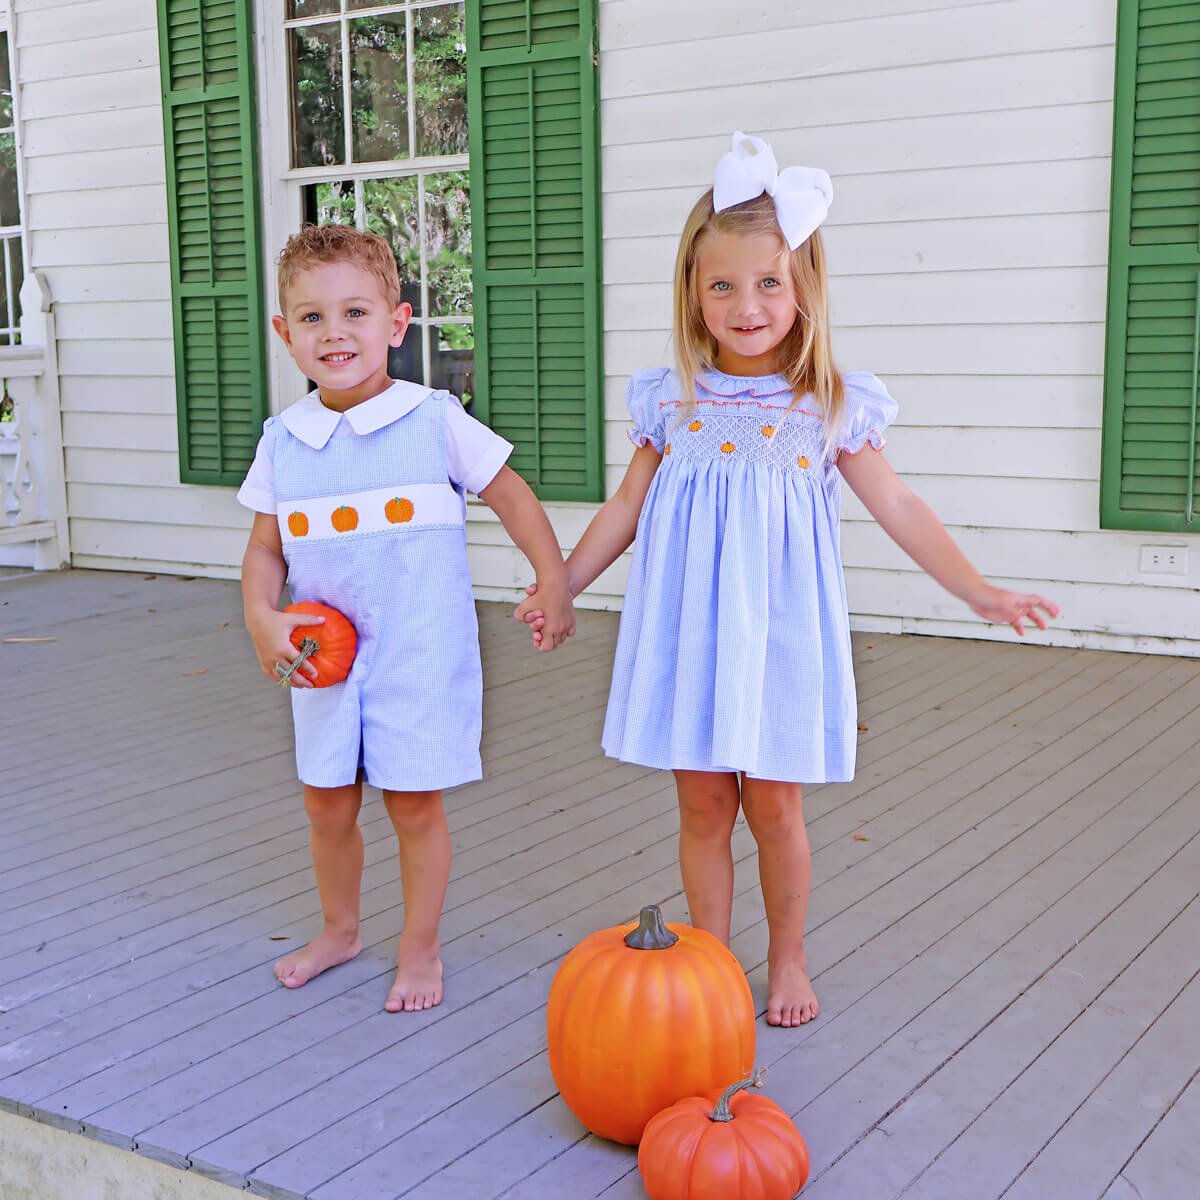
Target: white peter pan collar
(313, 423)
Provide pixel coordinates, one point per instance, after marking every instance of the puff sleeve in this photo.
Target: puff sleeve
(870, 409)
(644, 397)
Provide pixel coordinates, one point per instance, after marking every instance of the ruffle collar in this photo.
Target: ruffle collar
(759, 387)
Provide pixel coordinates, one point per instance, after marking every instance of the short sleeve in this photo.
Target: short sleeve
(258, 488)
(870, 409)
(474, 454)
(643, 399)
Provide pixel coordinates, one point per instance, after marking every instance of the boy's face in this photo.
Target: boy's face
(338, 326)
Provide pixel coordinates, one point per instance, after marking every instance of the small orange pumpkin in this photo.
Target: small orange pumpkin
(695, 425)
(641, 1016)
(330, 647)
(344, 519)
(398, 509)
(768, 431)
(727, 447)
(745, 1146)
(803, 462)
(297, 524)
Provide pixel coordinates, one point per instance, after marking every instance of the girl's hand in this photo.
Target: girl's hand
(270, 631)
(555, 616)
(1011, 608)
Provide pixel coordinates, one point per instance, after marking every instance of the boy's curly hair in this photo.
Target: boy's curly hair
(339, 243)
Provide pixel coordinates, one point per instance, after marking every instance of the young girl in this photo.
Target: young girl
(358, 493)
(733, 657)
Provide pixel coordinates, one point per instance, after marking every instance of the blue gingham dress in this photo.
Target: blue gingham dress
(411, 708)
(734, 645)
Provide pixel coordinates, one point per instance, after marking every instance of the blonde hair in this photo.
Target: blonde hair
(805, 356)
(339, 243)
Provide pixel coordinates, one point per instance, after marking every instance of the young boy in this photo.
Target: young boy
(407, 718)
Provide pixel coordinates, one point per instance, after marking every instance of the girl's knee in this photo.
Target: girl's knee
(331, 809)
(414, 813)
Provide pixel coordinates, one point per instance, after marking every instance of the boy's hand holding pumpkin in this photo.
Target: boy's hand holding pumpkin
(271, 631)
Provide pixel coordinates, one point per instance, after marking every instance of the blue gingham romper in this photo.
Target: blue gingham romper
(410, 710)
(734, 645)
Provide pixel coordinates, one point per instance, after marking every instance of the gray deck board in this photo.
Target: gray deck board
(1002, 924)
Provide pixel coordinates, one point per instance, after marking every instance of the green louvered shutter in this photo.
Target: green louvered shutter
(535, 199)
(1152, 369)
(205, 53)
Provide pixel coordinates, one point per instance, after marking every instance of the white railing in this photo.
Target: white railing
(33, 500)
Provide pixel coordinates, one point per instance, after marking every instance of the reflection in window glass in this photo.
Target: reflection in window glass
(448, 241)
(379, 87)
(318, 137)
(452, 361)
(311, 8)
(390, 210)
(329, 203)
(6, 103)
(440, 80)
(10, 207)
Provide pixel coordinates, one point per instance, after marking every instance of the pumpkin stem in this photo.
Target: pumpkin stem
(652, 932)
(308, 647)
(721, 1112)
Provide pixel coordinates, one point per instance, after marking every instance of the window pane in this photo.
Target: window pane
(311, 8)
(452, 361)
(16, 273)
(330, 203)
(448, 242)
(440, 79)
(404, 361)
(379, 87)
(5, 259)
(10, 209)
(391, 211)
(318, 137)
(6, 110)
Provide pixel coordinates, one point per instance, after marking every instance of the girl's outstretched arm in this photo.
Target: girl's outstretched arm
(914, 527)
(608, 535)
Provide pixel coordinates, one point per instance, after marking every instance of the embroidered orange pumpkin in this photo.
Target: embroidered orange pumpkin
(640, 1016)
(744, 1146)
(297, 524)
(330, 647)
(398, 509)
(667, 448)
(344, 519)
(727, 447)
(803, 462)
(694, 426)
(768, 431)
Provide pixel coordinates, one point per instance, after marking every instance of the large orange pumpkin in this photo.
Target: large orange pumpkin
(398, 510)
(330, 647)
(641, 1016)
(298, 524)
(723, 1146)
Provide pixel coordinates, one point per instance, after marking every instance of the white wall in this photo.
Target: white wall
(969, 144)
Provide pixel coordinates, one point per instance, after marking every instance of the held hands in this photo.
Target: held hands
(270, 631)
(1011, 608)
(546, 615)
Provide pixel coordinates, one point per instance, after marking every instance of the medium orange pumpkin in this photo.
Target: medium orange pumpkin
(398, 510)
(744, 1146)
(641, 1016)
(344, 518)
(297, 524)
(330, 647)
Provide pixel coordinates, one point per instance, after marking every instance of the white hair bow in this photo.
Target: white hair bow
(802, 195)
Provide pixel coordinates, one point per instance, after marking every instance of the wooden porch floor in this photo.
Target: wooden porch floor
(1003, 928)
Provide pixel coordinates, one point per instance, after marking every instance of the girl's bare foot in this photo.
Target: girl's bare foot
(790, 996)
(418, 982)
(328, 949)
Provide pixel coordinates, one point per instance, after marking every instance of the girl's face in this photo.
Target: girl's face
(338, 326)
(746, 299)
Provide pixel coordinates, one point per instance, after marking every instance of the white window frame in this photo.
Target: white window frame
(281, 184)
(20, 231)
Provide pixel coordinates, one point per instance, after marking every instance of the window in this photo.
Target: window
(378, 139)
(12, 258)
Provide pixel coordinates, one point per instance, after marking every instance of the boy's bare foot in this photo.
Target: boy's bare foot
(418, 982)
(790, 996)
(328, 949)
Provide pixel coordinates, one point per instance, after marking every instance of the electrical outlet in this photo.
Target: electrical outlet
(1164, 560)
